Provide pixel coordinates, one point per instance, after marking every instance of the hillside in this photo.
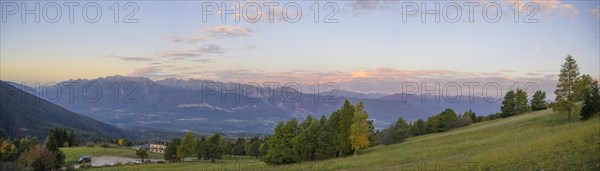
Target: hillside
(25, 115)
(541, 140)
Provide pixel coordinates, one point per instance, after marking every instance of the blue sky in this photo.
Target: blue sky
(370, 49)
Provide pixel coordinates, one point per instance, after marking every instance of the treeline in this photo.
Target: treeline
(347, 131)
(212, 148)
(444, 121)
(31, 154)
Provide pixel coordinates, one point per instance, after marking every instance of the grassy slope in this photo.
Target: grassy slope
(532, 141)
(73, 153)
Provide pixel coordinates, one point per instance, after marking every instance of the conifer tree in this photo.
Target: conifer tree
(566, 87)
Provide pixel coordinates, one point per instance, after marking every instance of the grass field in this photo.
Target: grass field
(542, 140)
(72, 153)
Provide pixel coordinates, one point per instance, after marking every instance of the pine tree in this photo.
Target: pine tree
(306, 141)
(325, 148)
(446, 120)
(591, 102)
(360, 130)
(509, 105)
(538, 101)
(401, 130)
(342, 129)
(470, 114)
(432, 123)
(521, 101)
(566, 87)
(188, 146)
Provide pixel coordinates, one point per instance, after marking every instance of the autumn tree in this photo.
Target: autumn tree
(120, 142)
(360, 130)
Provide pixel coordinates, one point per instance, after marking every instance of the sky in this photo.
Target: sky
(364, 46)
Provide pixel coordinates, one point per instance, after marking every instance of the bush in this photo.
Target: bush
(90, 144)
(463, 121)
(105, 145)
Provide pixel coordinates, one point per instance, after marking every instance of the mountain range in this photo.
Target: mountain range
(204, 106)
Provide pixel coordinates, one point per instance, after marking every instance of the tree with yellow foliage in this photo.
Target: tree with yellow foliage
(120, 142)
(359, 137)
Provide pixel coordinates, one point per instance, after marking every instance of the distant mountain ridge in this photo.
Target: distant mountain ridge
(180, 105)
(26, 115)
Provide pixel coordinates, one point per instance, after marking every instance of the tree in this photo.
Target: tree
(400, 130)
(566, 87)
(418, 127)
(470, 114)
(54, 140)
(307, 140)
(538, 101)
(120, 142)
(281, 144)
(582, 85)
(8, 151)
(360, 130)
(72, 139)
(432, 124)
(187, 147)
(325, 148)
(521, 101)
(225, 146)
(251, 147)
(39, 158)
(446, 120)
(264, 148)
(591, 102)
(372, 137)
(509, 104)
(238, 147)
(141, 153)
(211, 149)
(341, 136)
(386, 136)
(171, 150)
